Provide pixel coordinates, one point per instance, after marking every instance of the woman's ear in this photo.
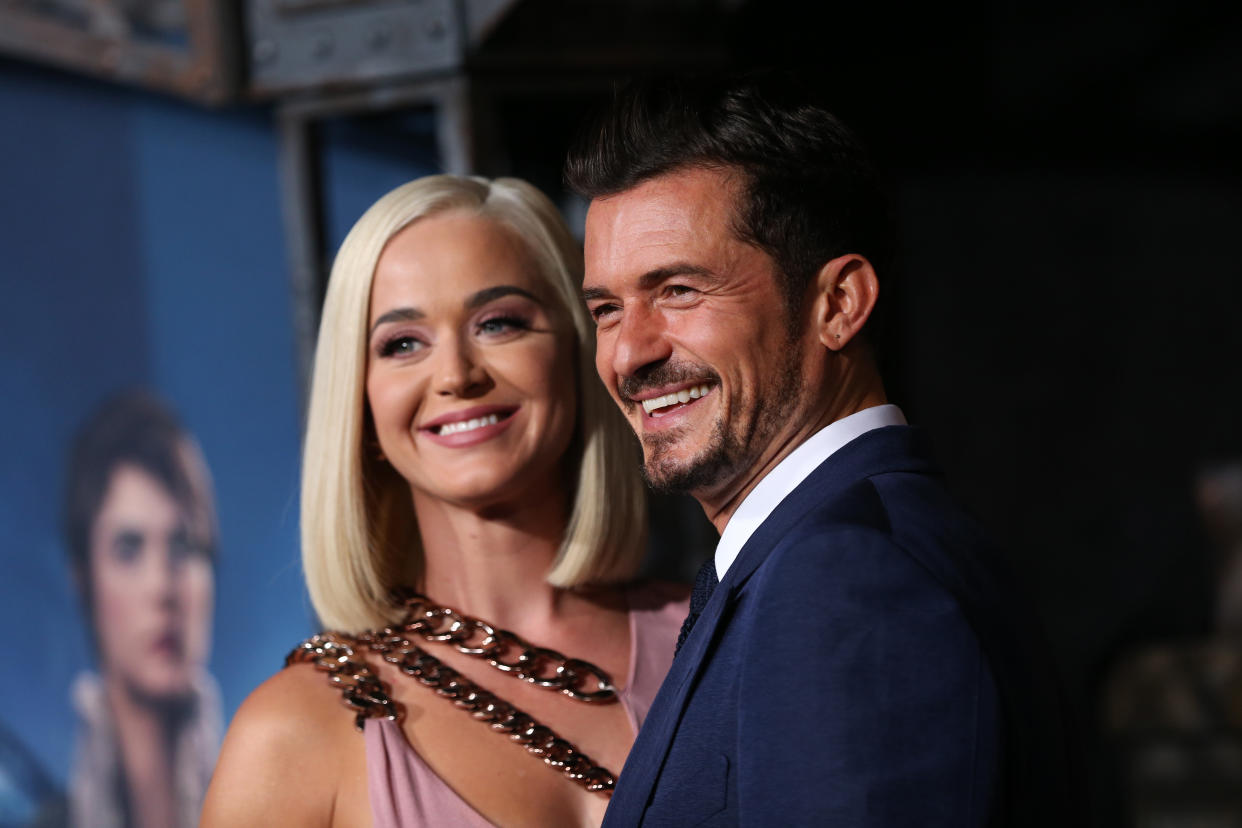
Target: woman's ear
(846, 290)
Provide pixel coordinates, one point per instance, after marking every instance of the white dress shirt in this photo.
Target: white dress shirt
(791, 471)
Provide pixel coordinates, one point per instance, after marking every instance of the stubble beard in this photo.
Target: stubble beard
(733, 447)
(669, 476)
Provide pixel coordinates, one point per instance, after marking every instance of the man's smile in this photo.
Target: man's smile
(667, 408)
(661, 405)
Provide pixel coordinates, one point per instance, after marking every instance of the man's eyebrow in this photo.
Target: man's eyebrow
(652, 278)
(398, 315)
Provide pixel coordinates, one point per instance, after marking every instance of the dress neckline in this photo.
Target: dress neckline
(623, 698)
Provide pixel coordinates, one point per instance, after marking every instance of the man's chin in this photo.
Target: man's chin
(670, 469)
(669, 476)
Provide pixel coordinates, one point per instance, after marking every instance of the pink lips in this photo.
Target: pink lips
(168, 645)
(468, 426)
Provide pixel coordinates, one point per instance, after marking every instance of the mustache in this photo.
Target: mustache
(660, 375)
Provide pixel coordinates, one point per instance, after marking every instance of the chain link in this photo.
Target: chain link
(364, 694)
(507, 651)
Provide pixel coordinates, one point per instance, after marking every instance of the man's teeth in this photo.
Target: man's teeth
(469, 425)
(685, 395)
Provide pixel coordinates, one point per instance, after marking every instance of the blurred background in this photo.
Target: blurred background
(176, 174)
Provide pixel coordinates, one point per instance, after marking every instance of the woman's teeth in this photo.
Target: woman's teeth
(468, 425)
(685, 395)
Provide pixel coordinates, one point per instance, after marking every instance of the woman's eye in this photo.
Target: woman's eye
(497, 325)
(401, 346)
(127, 545)
(182, 547)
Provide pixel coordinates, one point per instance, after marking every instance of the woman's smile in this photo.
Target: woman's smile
(470, 426)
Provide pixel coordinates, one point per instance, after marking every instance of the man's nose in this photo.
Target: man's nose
(458, 371)
(640, 342)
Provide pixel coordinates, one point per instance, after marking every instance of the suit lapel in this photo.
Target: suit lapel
(646, 758)
(889, 449)
(876, 451)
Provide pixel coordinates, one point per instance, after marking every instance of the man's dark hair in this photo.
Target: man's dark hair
(810, 191)
(137, 429)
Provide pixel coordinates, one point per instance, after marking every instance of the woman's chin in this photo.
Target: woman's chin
(165, 685)
(488, 489)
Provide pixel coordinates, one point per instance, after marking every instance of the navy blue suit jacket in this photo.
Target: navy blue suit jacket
(865, 661)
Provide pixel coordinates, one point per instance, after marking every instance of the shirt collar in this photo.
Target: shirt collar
(778, 483)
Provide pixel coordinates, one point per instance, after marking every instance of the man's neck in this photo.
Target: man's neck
(721, 502)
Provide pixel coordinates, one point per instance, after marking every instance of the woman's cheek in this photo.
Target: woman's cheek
(115, 604)
(387, 409)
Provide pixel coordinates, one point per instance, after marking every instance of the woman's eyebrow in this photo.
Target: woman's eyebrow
(398, 315)
(476, 300)
(486, 295)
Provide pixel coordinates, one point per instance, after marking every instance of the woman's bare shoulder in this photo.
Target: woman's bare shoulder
(282, 707)
(287, 750)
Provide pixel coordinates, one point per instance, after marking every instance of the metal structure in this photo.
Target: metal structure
(185, 47)
(299, 44)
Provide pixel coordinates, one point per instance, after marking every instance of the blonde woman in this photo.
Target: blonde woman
(465, 478)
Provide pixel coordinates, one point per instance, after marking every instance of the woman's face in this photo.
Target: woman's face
(152, 588)
(470, 370)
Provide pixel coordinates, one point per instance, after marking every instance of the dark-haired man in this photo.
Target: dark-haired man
(864, 660)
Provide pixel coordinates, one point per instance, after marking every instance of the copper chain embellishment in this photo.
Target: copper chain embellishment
(478, 638)
(364, 693)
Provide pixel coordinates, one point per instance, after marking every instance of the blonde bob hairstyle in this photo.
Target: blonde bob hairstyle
(359, 536)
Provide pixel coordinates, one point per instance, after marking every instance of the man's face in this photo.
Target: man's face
(694, 339)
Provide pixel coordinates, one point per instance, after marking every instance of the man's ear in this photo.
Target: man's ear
(846, 289)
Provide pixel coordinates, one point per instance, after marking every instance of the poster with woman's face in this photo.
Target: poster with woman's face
(142, 539)
(149, 445)
(150, 437)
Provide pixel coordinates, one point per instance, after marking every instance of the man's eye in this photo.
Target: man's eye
(601, 312)
(679, 290)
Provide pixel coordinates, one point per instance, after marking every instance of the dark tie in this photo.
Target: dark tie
(704, 584)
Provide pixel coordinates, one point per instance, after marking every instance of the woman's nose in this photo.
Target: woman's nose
(161, 569)
(459, 372)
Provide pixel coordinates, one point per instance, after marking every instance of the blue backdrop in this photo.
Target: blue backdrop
(143, 246)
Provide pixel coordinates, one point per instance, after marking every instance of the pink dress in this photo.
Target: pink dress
(405, 792)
